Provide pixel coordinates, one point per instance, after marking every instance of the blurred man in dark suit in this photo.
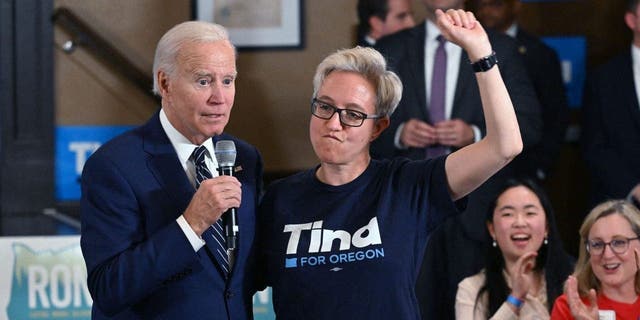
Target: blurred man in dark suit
(378, 18)
(611, 124)
(543, 67)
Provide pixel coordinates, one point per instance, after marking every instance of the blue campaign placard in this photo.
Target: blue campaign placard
(74, 144)
(46, 278)
(572, 54)
(262, 305)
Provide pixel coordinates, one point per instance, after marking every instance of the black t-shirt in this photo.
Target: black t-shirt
(351, 251)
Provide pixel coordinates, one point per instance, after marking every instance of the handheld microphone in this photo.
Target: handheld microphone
(225, 151)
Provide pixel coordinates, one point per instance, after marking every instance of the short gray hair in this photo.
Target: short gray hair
(370, 64)
(183, 33)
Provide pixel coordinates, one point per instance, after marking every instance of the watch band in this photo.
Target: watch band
(486, 63)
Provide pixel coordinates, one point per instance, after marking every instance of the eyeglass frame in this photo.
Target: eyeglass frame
(339, 111)
(605, 244)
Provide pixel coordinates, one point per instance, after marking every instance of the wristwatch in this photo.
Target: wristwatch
(486, 63)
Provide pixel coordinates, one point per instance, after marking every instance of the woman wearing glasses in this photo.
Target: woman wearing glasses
(606, 281)
(345, 240)
(526, 264)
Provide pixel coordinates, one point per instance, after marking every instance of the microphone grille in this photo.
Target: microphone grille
(225, 151)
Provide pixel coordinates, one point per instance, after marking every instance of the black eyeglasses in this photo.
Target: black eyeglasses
(348, 117)
(618, 245)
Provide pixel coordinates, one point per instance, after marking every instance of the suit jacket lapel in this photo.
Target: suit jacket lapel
(629, 88)
(417, 66)
(164, 164)
(465, 78)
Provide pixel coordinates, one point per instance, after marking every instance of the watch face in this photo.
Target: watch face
(485, 63)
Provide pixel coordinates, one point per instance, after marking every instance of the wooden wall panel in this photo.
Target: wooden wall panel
(26, 117)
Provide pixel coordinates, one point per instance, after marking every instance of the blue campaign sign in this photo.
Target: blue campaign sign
(46, 278)
(262, 305)
(572, 54)
(74, 144)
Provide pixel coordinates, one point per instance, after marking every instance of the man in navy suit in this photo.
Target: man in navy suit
(611, 123)
(411, 131)
(543, 67)
(143, 219)
(454, 250)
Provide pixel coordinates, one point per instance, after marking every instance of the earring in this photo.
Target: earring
(494, 244)
(546, 241)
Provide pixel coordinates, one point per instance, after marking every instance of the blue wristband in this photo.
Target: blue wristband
(515, 301)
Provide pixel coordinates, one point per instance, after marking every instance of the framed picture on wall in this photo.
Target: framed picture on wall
(256, 24)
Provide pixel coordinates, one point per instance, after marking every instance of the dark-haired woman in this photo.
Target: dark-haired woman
(518, 281)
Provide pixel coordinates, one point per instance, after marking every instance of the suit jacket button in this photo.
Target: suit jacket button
(228, 294)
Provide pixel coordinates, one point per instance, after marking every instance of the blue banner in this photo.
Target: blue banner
(46, 278)
(262, 306)
(43, 278)
(74, 145)
(572, 54)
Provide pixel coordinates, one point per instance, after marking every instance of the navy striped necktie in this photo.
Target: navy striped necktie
(214, 235)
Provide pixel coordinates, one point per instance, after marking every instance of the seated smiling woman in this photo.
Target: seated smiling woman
(525, 262)
(606, 282)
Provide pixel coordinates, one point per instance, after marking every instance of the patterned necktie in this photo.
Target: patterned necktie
(438, 90)
(214, 235)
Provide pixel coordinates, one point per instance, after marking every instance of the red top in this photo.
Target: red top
(624, 311)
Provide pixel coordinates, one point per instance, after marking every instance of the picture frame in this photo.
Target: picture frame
(256, 24)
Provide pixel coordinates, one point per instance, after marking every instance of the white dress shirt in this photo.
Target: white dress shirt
(635, 62)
